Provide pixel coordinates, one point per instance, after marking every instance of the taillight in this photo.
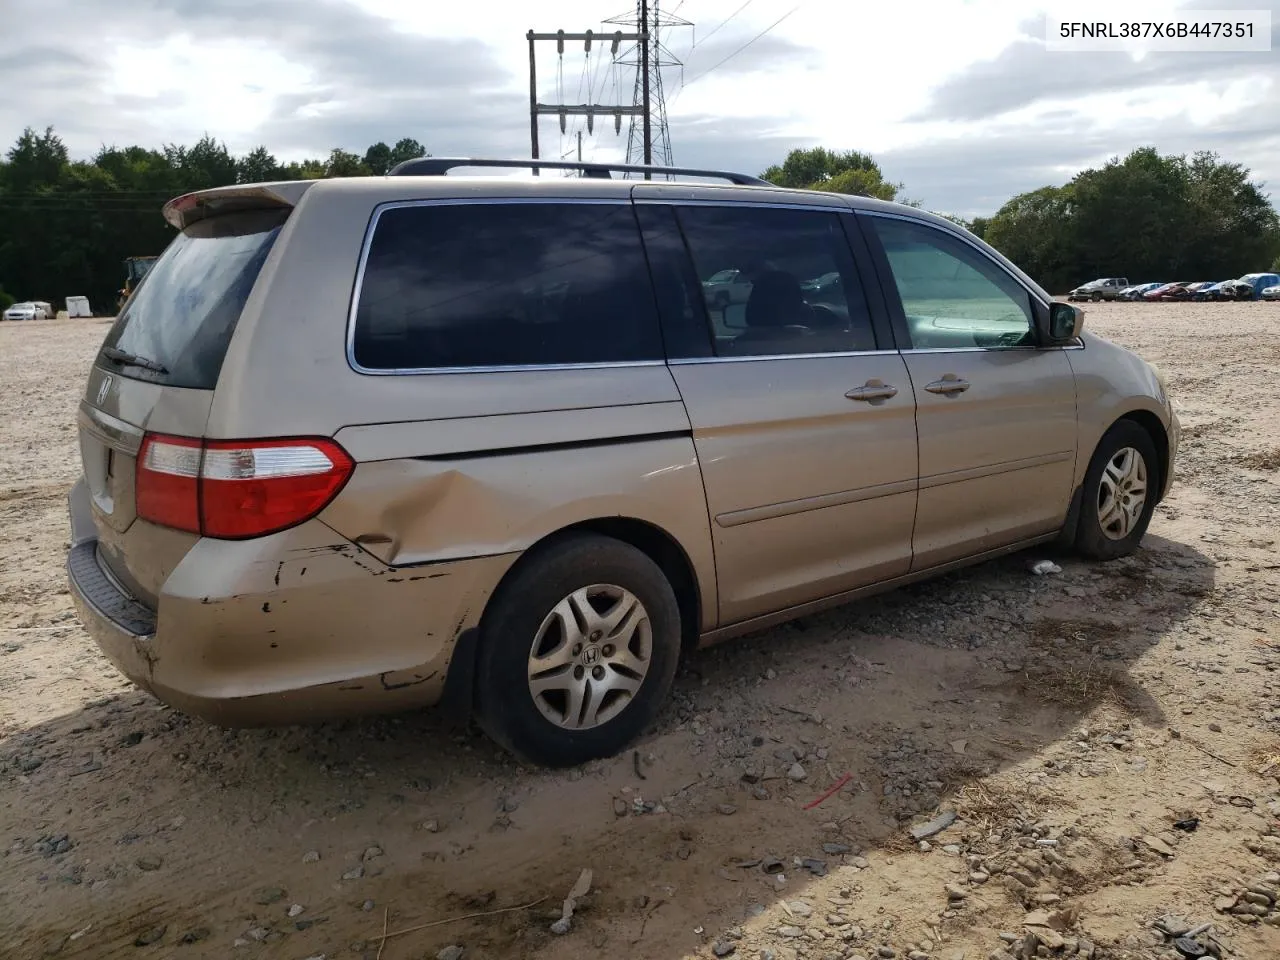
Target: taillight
(167, 484)
(236, 489)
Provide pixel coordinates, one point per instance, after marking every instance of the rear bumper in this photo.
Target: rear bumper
(292, 628)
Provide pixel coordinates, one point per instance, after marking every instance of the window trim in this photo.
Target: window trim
(367, 243)
(897, 315)
(878, 323)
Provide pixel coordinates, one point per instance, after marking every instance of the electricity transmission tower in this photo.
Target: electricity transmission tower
(650, 140)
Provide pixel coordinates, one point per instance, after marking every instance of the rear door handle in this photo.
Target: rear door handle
(873, 390)
(948, 384)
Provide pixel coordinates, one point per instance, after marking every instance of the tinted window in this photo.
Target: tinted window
(180, 319)
(675, 286)
(467, 285)
(952, 295)
(777, 281)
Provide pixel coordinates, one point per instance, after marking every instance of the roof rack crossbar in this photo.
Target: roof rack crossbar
(440, 166)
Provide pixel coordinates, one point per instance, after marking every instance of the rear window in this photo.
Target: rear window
(505, 284)
(179, 321)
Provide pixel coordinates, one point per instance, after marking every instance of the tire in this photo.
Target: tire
(1109, 470)
(540, 610)
(1096, 298)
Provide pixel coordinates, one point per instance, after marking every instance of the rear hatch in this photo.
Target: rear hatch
(158, 366)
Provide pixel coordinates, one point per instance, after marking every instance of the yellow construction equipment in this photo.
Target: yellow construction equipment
(135, 268)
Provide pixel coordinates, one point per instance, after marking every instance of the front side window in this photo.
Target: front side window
(505, 284)
(952, 295)
(776, 282)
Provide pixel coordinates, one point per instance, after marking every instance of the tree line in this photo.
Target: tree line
(66, 225)
(1146, 217)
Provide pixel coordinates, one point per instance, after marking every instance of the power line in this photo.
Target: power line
(721, 25)
(758, 36)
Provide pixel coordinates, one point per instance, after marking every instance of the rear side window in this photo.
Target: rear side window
(505, 284)
(176, 327)
(777, 282)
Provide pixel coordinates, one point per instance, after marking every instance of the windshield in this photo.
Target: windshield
(180, 320)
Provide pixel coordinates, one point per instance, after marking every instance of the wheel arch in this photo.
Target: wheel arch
(1159, 436)
(649, 538)
(1154, 428)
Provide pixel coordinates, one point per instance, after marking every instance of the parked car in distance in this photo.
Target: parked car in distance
(1166, 291)
(1251, 285)
(373, 444)
(1137, 291)
(1270, 293)
(1212, 291)
(1189, 291)
(1107, 288)
(26, 310)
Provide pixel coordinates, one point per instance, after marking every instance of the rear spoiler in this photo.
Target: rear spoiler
(185, 210)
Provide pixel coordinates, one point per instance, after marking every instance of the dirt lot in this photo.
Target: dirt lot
(1069, 720)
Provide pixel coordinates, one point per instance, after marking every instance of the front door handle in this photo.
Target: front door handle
(948, 384)
(873, 389)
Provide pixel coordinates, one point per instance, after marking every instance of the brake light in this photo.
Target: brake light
(237, 489)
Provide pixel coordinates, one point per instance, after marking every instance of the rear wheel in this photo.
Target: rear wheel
(1120, 491)
(578, 651)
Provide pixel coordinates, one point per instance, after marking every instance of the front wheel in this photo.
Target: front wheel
(578, 652)
(1119, 495)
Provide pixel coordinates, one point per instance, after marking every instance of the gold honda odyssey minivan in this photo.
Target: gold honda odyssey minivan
(516, 443)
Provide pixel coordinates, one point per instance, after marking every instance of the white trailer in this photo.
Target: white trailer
(78, 307)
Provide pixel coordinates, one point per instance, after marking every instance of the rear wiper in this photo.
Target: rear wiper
(133, 360)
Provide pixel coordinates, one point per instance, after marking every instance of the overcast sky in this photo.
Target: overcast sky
(957, 99)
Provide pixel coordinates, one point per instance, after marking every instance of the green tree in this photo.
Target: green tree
(207, 163)
(303, 170)
(257, 166)
(1146, 217)
(407, 149)
(35, 161)
(1032, 230)
(343, 163)
(818, 168)
(378, 158)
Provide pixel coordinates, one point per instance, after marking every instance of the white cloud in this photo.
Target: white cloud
(918, 83)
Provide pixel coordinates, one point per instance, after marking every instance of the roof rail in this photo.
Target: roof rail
(440, 166)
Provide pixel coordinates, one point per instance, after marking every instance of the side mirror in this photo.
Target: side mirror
(1065, 323)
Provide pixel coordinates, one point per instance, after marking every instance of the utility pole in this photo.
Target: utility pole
(643, 29)
(533, 99)
(565, 110)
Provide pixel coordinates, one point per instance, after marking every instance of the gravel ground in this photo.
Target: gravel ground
(1100, 747)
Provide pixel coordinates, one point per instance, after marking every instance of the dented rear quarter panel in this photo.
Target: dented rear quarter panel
(499, 485)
